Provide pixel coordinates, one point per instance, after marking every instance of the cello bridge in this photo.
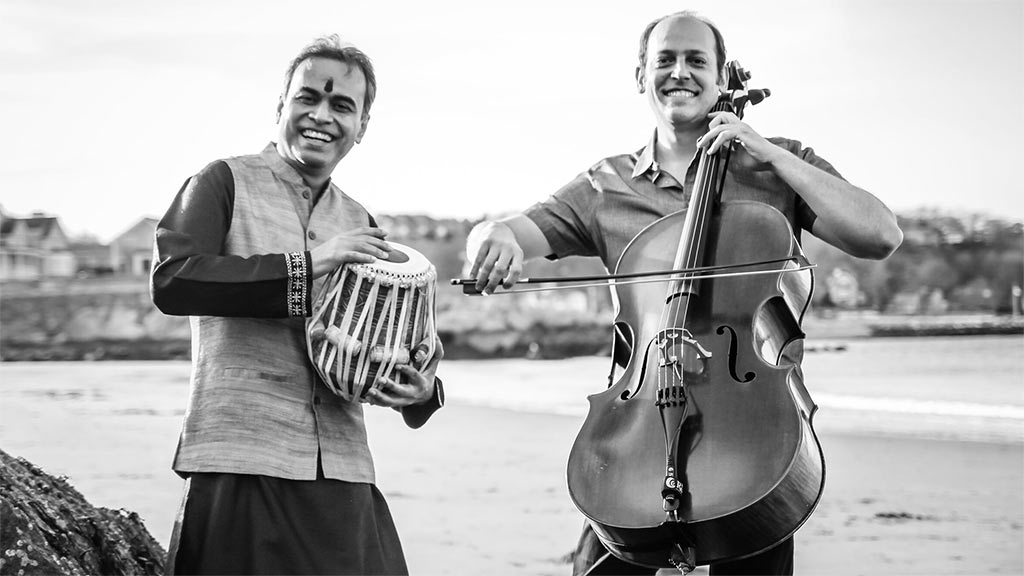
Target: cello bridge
(671, 396)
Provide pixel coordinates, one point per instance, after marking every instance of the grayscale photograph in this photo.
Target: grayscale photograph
(519, 289)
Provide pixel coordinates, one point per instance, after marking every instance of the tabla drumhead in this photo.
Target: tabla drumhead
(401, 260)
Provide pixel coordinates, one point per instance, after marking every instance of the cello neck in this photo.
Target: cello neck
(703, 198)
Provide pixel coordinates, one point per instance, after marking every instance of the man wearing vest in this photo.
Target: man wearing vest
(279, 477)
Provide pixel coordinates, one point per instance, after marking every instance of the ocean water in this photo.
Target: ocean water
(960, 388)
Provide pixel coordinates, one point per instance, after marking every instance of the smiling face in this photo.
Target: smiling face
(680, 77)
(321, 117)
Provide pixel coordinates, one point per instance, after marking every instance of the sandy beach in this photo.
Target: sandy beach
(481, 490)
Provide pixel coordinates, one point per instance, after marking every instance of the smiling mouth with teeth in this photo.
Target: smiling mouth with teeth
(680, 92)
(313, 134)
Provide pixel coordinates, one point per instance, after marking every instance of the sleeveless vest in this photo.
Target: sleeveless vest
(256, 404)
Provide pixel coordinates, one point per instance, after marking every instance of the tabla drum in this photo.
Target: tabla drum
(368, 318)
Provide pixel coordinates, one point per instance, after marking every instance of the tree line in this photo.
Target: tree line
(947, 263)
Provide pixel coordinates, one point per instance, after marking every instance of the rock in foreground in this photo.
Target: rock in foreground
(48, 527)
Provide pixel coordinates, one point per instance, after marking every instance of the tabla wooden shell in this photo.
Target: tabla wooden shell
(368, 318)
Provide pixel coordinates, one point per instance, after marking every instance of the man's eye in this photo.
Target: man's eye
(342, 108)
(699, 61)
(662, 61)
(304, 98)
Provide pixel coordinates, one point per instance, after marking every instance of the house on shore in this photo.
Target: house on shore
(131, 252)
(34, 247)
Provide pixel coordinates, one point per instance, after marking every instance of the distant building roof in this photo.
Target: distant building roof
(40, 225)
(138, 236)
(37, 228)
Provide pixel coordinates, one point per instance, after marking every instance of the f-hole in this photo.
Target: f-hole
(749, 376)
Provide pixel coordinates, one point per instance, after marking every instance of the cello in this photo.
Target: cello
(703, 449)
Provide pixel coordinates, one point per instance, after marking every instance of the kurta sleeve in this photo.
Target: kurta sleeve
(193, 277)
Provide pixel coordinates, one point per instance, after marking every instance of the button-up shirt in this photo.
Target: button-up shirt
(603, 208)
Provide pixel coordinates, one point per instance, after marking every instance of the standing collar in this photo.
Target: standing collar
(282, 169)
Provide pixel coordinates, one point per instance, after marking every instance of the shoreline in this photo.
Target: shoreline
(537, 343)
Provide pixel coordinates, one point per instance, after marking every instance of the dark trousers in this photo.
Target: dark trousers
(242, 524)
(593, 559)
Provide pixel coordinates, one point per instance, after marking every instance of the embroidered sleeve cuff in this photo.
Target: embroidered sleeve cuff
(299, 283)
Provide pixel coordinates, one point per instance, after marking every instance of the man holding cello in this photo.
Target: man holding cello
(682, 72)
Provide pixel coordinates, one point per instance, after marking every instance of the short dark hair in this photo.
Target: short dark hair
(333, 48)
(719, 41)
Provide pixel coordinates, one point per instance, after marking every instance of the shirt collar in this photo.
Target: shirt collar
(645, 162)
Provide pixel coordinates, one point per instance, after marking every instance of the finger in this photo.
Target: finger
(419, 354)
(721, 140)
(381, 250)
(416, 387)
(483, 276)
(395, 393)
(363, 231)
(500, 271)
(483, 251)
(378, 243)
(372, 231)
(353, 256)
(485, 259)
(375, 398)
(723, 117)
(515, 269)
(383, 394)
(368, 398)
(709, 137)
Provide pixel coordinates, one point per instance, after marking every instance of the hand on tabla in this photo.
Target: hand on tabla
(359, 245)
(418, 385)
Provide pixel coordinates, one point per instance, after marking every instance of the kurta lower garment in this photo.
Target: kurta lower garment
(600, 211)
(244, 524)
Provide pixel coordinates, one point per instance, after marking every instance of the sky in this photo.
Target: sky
(485, 108)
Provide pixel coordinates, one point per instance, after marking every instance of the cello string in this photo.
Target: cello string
(687, 250)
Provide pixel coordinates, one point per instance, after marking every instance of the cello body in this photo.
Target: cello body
(703, 449)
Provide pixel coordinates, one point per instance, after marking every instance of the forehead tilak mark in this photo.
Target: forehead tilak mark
(329, 86)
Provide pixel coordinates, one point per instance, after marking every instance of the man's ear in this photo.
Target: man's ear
(362, 128)
(640, 79)
(280, 106)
